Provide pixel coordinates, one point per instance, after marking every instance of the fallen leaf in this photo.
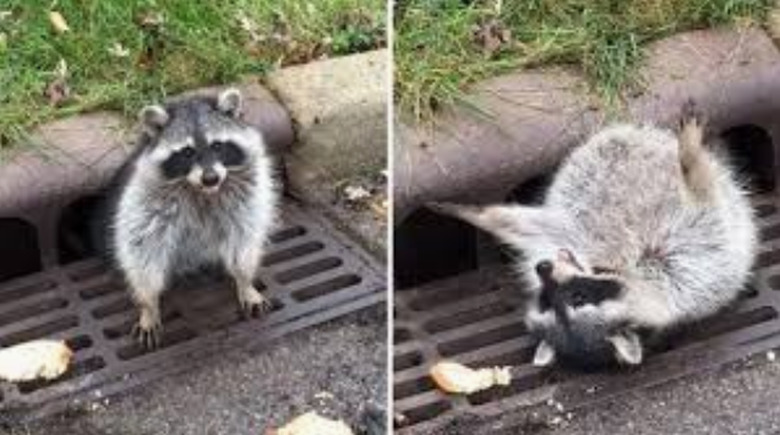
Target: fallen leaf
(380, 208)
(249, 26)
(58, 22)
(491, 35)
(152, 24)
(62, 68)
(58, 91)
(5, 14)
(118, 50)
(151, 20)
(324, 395)
(773, 21)
(356, 193)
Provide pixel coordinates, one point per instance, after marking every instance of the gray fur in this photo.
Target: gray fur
(663, 214)
(161, 227)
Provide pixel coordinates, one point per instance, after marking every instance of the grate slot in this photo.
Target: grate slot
(100, 290)
(40, 331)
(31, 310)
(88, 271)
(413, 387)
(308, 269)
(497, 335)
(120, 305)
(331, 285)
(171, 337)
(764, 210)
(290, 253)
(288, 233)
(78, 369)
(123, 329)
(423, 412)
(26, 291)
(467, 317)
(407, 360)
(520, 384)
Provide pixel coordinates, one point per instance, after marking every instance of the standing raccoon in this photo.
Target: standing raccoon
(198, 190)
(642, 230)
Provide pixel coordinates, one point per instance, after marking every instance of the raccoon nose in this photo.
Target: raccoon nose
(210, 179)
(544, 268)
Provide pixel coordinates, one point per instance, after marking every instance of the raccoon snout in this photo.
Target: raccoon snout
(210, 178)
(544, 269)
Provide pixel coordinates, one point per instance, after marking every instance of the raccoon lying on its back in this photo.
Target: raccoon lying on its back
(198, 190)
(641, 229)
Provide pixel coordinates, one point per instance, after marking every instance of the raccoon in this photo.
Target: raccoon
(197, 191)
(642, 230)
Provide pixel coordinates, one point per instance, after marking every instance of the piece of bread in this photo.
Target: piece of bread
(47, 359)
(312, 424)
(452, 377)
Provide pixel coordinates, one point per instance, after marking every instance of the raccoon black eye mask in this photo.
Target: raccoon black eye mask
(628, 190)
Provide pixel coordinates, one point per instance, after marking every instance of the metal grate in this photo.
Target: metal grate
(311, 273)
(474, 318)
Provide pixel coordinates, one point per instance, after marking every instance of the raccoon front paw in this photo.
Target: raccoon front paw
(691, 116)
(253, 303)
(148, 334)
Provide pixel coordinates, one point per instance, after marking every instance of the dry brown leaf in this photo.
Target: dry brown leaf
(773, 22)
(151, 19)
(58, 91)
(491, 35)
(58, 22)
(118, 50)
(380, 208)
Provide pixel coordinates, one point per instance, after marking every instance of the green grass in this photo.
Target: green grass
(198, 43)
(437, 56)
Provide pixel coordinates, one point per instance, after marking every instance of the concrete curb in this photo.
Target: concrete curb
(531, 119)
(340, 111)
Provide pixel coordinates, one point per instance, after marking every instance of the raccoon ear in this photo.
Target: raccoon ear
(628, 349)
(507, 222)
(230, 101)
(154, 117)
(545, 355)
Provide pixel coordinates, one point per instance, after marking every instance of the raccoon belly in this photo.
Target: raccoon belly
(701, 267)
(194, 253)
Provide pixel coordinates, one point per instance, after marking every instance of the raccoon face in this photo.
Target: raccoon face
(200, 141)
(582, 315)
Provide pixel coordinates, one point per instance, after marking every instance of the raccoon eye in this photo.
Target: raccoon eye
(187, 152)
(179, 163)
(229, 153)
(577, 299)
(597, 270)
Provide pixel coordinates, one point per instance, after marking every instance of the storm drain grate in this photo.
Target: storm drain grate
(311, 273)
(474, 318)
